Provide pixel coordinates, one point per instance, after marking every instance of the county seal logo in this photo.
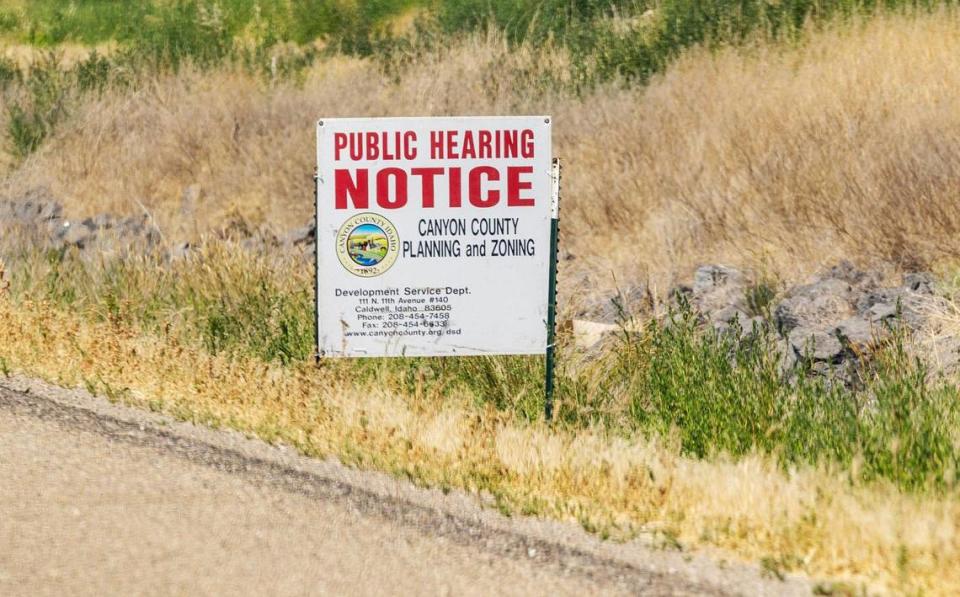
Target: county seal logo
(367, 245)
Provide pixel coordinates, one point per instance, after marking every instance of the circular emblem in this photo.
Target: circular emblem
(367, 245)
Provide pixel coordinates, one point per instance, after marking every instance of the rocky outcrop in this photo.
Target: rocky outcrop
(834, 322)
(40, 222)
(721, 293)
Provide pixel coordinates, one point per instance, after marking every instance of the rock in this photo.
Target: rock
(38, 221)
(857, 333)
(755, 323)
(77, 235)
(34, 220)
(99, 222)
(816, 344)
(300, 236)
(628, 302)
(883, 305)
(134, 226)
(729, 316)
(843, 314)
(742, 322)
(919, 282)
(849, 273)
(29, 212)
(141, 227)
(615, 309)
(814, 305)
(945, 355)
(587, 334)
(880, 312)
(710, 277)
(788, 357)
(717, 287)
(681, 292)
(835, 321)
(881, 296)
(599, 310)
(36, 205)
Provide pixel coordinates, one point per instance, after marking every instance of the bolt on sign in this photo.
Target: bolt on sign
(433, 236)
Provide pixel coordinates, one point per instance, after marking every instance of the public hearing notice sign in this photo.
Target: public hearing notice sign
(433, 236)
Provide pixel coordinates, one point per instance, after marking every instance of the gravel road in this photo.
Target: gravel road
(99, 499)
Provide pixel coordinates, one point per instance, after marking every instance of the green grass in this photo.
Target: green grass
(50, 22)
(711, 393)
(642, 38)
(40, 97)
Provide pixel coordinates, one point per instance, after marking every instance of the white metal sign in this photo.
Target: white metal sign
(433, 236)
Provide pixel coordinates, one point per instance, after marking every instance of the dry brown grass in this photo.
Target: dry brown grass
(774, 158)
(810, 519)
(248, 144)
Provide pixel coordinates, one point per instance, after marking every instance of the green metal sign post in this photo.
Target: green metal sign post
(552, 293)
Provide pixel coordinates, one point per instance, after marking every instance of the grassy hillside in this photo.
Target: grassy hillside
(735, 155)
(785, 141)
(625, 42)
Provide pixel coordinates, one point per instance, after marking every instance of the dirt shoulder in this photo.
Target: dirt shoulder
(103, 497)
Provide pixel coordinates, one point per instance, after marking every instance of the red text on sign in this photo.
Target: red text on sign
(486, 186)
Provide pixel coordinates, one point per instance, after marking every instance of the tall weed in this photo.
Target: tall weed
(38, 107)
(41, 96)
